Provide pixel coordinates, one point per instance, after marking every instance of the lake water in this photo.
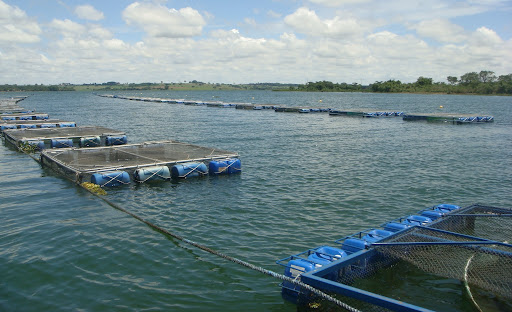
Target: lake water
(308, 179)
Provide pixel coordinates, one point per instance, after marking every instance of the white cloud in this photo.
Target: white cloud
(16, 27)
(306, 21)
(441, 30)
(273, 14)
(67, 27)
(160, 21)
(88, 12)
(335, 3)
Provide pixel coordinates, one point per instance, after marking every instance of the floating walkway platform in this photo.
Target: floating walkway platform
(439, 244)
(114, 165)
(68, 135)
(449, 117)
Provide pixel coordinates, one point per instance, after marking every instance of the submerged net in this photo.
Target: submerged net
(450, 248)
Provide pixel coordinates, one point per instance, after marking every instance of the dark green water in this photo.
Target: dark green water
(308, 179)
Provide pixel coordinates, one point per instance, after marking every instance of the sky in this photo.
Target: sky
(286, 41)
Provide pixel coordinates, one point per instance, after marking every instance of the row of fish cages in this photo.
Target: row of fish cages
(450, 118)
(365, 113)
(102, 156)
(433, 260)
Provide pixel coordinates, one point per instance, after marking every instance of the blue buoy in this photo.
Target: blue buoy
(376, 235)
(225, 166)
(41, 117)
(28, 126)
(61, 143)
(48, 126)
(25, 117)
(446, 208)
(327, 253)
(116, 140)
(67, 124)
(188, 170)
(152, 174)
(434, 215)
(90, 141)
(351, 245)
(293, 269)
(8, 127)
(416, 220)
(8, 118)
(111, 179)
(395, 227)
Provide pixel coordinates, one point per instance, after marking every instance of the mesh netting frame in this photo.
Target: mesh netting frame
(465, 216)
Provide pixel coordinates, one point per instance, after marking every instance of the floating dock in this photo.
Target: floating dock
(66, 136)
(440, 243)
(116, 164)
(449, 117)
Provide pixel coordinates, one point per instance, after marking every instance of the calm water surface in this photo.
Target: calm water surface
(308, 179)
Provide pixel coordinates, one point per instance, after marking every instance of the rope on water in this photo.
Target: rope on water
(305, 286)
(466, 284)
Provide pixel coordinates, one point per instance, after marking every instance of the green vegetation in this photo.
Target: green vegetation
(484, 82)
(116, 86)
(25, 88)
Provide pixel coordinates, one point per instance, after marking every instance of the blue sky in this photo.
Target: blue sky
(57, 41)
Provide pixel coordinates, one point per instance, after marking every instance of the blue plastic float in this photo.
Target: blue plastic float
(90, 141)
(116, 140)
(188, 170)
(61, 143)
(152, 174)
(111, 179)
(225, 166)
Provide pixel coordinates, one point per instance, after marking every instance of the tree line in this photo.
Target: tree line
(32, 88)
(485, 82)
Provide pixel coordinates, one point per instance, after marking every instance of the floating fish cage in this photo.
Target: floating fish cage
(365, 113)
(449, 118)
(23, 116)
(118, 165)
(31, 124)
(65, 136)
(409, 263)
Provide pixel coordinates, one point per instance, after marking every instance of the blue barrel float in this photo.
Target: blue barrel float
(111, 178)
(187, 170)
(8, 127)
(61, 143)
(67, 124)
(41, 117)
(225, 166)
(90, 141)
(48, 125)
(28, 126)
(116, 140)
(152, 174)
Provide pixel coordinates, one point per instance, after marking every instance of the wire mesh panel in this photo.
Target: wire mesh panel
(478, 220)
(474, 261)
